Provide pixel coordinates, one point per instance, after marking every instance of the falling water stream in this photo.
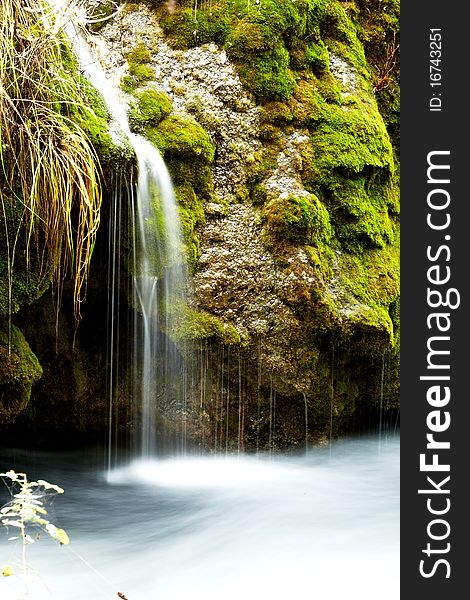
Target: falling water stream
(158, 265)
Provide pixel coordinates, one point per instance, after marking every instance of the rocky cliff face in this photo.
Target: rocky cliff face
(267, 115)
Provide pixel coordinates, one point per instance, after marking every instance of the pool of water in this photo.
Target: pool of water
(324, 524)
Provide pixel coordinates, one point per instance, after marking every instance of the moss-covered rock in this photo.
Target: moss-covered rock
(301, 220)
(305, 62)
(197, 173)
(373, 280)
(19, 369)
(154, 106)
(349, 165)
(190, 325)
(192, 217)
(269, 77)
(139, 68)
(93, 118)
(302, 260)
(142, 73)
(182, 136)
(23, 278)
(262, 39)
(378, 25)
(139, 55)
(148, 109)
(187, 28)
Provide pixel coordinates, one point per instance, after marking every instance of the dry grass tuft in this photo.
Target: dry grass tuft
(47, 164)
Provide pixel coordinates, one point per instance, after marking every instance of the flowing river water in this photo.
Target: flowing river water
(323, 524)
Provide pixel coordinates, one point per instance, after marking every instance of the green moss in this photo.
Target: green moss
(139, 55)
(179, 27)
(142, 73)
(307, 104)
(349, 165)
(277, 113)
(262, 39)
(29, 278)
(258, 194)
(261, 164)
(182, 136)
(185, 31)
(95, 122)
(316, 57)
(301, 220)
(373, 279)
(329, 88)
(17, 363)
(134, 116)
(251, 38)
(19, 369)
(350, 140)
(151, 107)
(154, 106)
(129, 84)
(262, 60)
(94, 99)
(340, 35)
(192, 216)
(321, 257)
(189, 325)
(269, 77)
(198, 174)
(93, 118)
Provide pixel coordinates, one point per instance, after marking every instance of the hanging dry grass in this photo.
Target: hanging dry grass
(47, 163)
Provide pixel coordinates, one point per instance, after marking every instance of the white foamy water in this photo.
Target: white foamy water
(321, 525)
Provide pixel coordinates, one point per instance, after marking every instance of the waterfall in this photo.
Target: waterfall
(157, 282)
(158, 269)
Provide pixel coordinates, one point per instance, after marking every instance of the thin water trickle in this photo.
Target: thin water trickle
(382, 383)
(239, 428)
(227, 407)
(306, 420)
(332, 393)
(113, 322)
(271, 428)
(258, 403)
